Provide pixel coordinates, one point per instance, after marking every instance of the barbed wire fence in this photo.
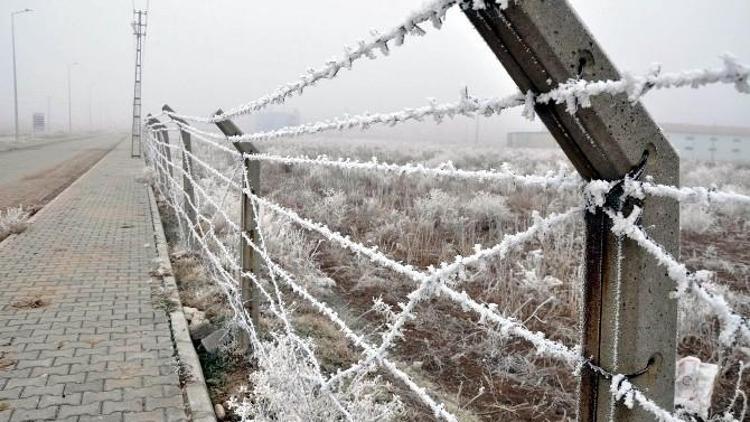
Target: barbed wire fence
(237, 270)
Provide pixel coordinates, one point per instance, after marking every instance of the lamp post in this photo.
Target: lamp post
(70, 113)
(15, 81)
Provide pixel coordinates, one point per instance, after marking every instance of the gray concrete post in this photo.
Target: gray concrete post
(187, 167)
(250, 260)
(163, 136)
(629, 321)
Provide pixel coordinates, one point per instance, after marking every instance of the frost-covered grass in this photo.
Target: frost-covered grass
(476, 370)
(13, 221)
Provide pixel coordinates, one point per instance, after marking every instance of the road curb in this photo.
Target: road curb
(196, 391)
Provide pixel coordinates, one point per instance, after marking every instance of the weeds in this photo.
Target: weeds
(423, 221)
(13, 221)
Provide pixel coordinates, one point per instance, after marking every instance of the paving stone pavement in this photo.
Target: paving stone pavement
(82, 335)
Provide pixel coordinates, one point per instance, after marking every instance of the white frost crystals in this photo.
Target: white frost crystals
(578, 93)
(437, 281)
(432, 12)
(734, 326)
(13, 221)
(284, 389)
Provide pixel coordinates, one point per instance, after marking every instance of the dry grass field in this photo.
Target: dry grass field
(477, 371)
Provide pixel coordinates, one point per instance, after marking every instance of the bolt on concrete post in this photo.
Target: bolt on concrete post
(629, 321)
(250, 260)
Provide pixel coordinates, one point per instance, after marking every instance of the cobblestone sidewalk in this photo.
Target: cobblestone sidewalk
(82, 335)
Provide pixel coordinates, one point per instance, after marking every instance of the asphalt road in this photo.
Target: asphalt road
(33, 175)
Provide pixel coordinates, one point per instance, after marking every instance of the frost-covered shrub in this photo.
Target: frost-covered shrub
(296, 251)
(695, 218)
(285, 387)
(437, 205)
(487, 207)
(13, 221)
(147, 176)
(334, 204)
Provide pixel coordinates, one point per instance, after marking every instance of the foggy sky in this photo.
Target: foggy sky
(201, 55)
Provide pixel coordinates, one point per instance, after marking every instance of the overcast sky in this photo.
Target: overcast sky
(202, 54)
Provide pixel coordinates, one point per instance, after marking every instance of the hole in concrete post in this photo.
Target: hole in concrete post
(585, 63)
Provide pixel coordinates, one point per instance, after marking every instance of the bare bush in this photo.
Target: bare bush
(284, 388)
(13, 221)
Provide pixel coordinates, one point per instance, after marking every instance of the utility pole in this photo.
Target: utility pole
(70, 101)
(49, 114)
(91, 96)
(140, 20)
(15, 81)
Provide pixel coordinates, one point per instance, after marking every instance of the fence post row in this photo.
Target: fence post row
(628, 322)
(250, 260)
(187, 167)
(163, 136)
(148, 123)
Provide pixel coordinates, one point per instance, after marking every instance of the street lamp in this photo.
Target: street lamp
(15, 82)
(70, 113)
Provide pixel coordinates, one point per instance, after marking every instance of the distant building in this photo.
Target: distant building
(38, 123)
(692, 142)
(272, 120)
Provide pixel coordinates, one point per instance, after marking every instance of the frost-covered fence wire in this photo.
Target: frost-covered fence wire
(432, 12)
(574, 94)
(430, 283)
(559, 180)
(223, 260)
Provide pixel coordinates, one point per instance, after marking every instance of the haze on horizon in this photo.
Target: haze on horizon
(202, 55)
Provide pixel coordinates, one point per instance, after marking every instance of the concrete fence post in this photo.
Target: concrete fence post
(250, 261)
(160, 134)
(187, 168)
(629, 320)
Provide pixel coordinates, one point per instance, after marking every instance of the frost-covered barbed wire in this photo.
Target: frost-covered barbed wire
(578, 93)
(574, 94)
(695, 194)
(505, 174)
(733, 325)
(229, 285)
(624, 391)
(433, 12)
(432, 284)
(438, 408)
(595, 193)
(486, 312)
(466, 106)
(560, 179)
(377, 257)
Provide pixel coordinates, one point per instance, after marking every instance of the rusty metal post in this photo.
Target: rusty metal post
(187, 168)
(629, 321)
(250, 260)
